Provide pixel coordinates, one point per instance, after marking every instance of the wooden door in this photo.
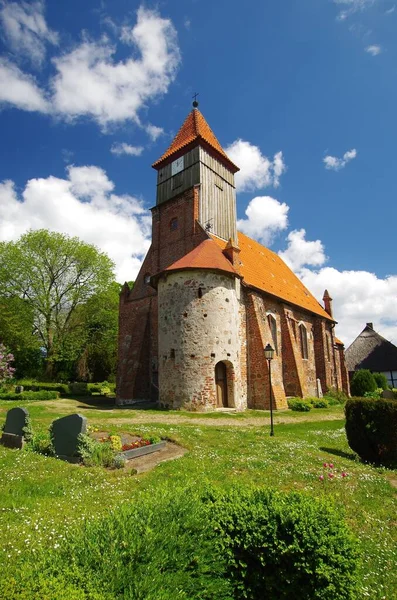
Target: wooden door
(221, 385)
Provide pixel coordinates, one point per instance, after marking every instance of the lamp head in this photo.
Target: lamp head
(269, 352)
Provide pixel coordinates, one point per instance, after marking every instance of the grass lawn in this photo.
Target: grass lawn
(42, 498)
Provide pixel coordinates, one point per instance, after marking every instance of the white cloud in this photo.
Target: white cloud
(82, 204)
(373, 50)
(352, 6)
(335, 164)
(25, 29)
(390, 10)
(359, 297)
(266, 217)
(301, 252)
(256, 170)
(20, 90)
(91, 83)
(154, 132)
(120, 148)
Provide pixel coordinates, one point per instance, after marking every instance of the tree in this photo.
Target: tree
(54, 275)
(381, 381)
(362, 381)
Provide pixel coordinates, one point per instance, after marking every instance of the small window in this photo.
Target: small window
(177, 181)
(174, 224)
(303, 336)
(146, 279)
(273, 330)
(200, 292)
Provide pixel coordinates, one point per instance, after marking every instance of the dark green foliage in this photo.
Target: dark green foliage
(362, 381)
(94, 453)
(78, 388)
(43, 395)
(36, 386)
(381, 381)
(299, 405)
(41, 443)
(371, 427)
(284, 546)
(183, 543)
(319, 402)
(335, 396)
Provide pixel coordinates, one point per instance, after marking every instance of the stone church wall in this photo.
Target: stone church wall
(199, 326)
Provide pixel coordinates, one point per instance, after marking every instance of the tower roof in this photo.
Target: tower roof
(195, 128)
(206, 255)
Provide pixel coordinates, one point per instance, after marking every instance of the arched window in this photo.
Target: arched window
(174, 224)
(303, 337)
(273, 330)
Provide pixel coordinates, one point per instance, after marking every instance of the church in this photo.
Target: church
(208, 300)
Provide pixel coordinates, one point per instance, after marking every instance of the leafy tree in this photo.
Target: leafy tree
(54, 275)
(362, 381)
(17, 331)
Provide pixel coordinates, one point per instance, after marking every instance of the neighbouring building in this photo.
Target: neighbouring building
(208, 299)
(372, 351)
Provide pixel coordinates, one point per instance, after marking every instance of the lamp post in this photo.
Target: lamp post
(269, 354)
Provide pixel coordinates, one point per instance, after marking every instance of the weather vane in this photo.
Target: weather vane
(195, 103)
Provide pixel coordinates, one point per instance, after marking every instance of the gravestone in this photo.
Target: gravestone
(65, 433)
(388, 394)
(18, 389)
(13, 434)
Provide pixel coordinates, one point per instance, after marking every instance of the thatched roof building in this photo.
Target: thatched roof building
(372, 351)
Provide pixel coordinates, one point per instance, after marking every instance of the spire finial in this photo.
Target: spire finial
(195, 103)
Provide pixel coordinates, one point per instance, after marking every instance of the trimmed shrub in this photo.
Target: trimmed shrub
(381, 381)
(299, 405)
(43, 395)
(79, 388)
(371, 427)
(36, 386)
(319, 402)
(284, 546)
(362, 381)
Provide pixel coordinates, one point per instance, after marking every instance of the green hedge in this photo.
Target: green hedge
(371, 429)
(43, 395)
(37, 386)
(194, 545)
(78, 388)
(298, 404)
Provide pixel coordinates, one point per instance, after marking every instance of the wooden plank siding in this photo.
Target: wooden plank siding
(217, 194)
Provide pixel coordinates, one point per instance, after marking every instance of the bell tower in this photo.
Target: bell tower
(196, 158)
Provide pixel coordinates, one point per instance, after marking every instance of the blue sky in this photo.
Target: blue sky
(302, 95)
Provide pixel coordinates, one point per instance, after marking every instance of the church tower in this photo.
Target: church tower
(195, 157)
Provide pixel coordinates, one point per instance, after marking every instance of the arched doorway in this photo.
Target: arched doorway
(221, 385)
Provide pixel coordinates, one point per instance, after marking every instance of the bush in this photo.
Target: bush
(319, 402)
(97, 454)
(41, 442)
(335, 396)
(298, 404)
(381, 381)
(375, 395)
(79, 388)
(178, 543)
(36, 386)
(371, 427)
(284, 546)
(43, 395)
(362, 381)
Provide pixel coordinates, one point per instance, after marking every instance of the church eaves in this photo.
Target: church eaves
(266, 271)
(195, 128)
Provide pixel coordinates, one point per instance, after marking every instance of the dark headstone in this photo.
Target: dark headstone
(18, 389)
(16, 420)
(65, 432)
(388, 394)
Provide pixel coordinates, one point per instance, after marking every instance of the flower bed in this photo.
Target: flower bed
(128, 446)
(140, 448)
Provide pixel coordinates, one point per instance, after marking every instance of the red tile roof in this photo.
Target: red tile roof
(195, 127)
(266, 271)
(206, 255)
